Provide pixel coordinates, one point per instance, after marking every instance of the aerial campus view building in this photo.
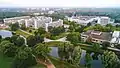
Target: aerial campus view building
(100, 37)
(84, 20)
(71, 39)
(35, 22)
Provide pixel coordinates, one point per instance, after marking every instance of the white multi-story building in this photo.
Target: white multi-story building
(104, 20)
(56, 23)
(29, 22)
(14, 19)
(84, 20)
(35, 22)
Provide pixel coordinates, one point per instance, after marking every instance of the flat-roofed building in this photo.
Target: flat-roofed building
(96, 36)
(14, 19)
(83, 20)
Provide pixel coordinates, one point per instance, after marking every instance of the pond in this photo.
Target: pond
(96, 63)
(5, 33)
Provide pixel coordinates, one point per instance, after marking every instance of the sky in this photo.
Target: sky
(60, 3)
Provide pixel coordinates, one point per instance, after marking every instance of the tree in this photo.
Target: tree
(76, 55)
(63, 50)
(41, 50)
(118, 46)
(69, 53)
(13, 38)
(109, 25)
(24, 58)
(73, 37)
(89, 24)
(88, 60)
(110, 60)
(33, 40)
(14, 26)
(117, 26)
(80, 29)
(17, 40)
(30, 31)
(8, 48)
(41, 31)
(0, 38)
(71, 28)
(7, 38)
(96, 47)
(20, 41)
(105, 44)
(23, 27)
(56, 30)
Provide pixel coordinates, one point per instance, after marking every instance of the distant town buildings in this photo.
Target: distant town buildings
(51, 12)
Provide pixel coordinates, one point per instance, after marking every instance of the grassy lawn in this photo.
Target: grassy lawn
(33, 30)
(89, 48)
(59, 36)
(58, 64)
(5, 62)
(19, 32)
(54, 43)
(83, 46)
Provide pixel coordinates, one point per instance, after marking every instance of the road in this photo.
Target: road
(114, 49)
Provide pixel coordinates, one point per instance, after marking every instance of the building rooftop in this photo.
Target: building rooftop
(98, 34)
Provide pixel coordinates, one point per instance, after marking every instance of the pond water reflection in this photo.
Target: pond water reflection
(5, 33)
(96, 62)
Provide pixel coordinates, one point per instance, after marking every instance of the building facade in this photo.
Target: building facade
(96, 36)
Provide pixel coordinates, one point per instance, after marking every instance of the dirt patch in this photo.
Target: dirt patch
(46, 62)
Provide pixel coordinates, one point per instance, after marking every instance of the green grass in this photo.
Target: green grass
(53, 43)
(58, 64)
(5, 62)
(89, 48)
(33, 30)
(19, 32)
(59, 36)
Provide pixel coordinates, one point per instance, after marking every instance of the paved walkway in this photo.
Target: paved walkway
(114, 49)
(61, 40)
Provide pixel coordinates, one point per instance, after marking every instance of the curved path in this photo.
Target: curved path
(61, 40)
(46, 62)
